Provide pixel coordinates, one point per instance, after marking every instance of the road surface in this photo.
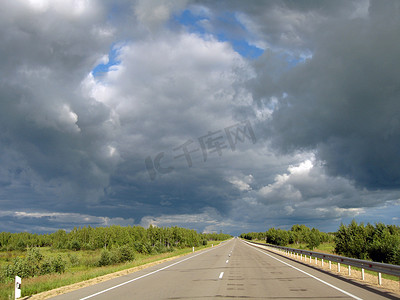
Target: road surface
(232, 270)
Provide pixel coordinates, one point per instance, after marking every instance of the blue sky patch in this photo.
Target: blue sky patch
(191, 21)
(242, 47)
(112, 61)
(193, 24)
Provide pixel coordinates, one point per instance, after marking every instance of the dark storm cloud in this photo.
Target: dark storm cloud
(52, 139)
(344, 102)
(282, 25)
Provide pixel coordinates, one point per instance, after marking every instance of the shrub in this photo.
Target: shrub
(73, 259)
(34, 264)
(125, 253)
(18, 267)
(105, 258)
(160, 248)
(75, 245)
(58, 264)
(46, 267)
(117, 255)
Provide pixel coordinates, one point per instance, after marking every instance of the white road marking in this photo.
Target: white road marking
(148, 274)
(221, 275)
(304, 272)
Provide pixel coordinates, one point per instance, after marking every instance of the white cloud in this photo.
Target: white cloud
(208, 218)
(154, 13)
(68, 119)
(183, 80)
(75, 8)
(306, 192)
(66, 220)
(242, 184)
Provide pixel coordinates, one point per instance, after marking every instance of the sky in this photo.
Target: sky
(232, 116)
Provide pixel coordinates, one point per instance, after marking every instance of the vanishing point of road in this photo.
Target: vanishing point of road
(232, 270)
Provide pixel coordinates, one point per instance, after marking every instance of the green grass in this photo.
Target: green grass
(78, 273)
(328, 247)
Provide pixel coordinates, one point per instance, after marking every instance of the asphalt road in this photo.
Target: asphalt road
(231, 270)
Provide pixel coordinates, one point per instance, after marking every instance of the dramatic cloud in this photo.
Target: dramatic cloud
(226, 115)
(344, 101)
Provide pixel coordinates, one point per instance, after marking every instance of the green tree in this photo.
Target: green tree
(313, 239)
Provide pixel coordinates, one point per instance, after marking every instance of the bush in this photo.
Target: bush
(117, 255)
(18, 267)
(34, 264)
(106, 258)
(160, 248)
(46, 267)
(75, 245)
(73, 259)
(58, 265)
(143, 247)
(124, 253)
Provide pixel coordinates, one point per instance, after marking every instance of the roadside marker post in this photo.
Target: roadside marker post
(17, 287)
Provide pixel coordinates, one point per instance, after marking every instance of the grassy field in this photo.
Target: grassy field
(81, 266)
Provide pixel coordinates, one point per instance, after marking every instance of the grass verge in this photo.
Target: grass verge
(39, 284)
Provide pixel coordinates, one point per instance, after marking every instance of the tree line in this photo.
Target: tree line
(379, 242)
(142, 240)
(118, 244)
(296, 235)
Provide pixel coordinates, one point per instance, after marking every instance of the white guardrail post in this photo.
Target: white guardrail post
(350, 262)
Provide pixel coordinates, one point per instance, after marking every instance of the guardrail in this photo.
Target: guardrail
(350, 262)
